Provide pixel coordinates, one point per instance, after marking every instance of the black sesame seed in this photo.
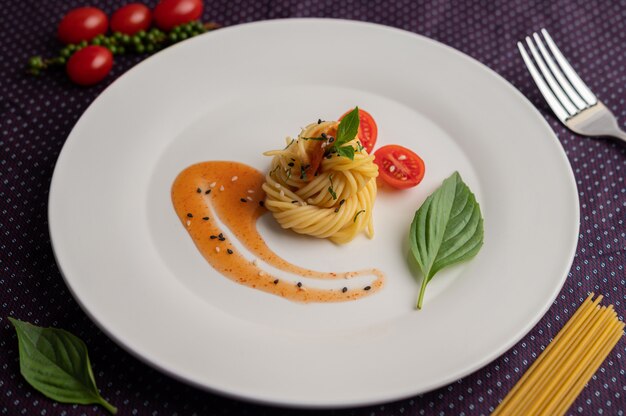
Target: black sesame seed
(336, 210)
(205, 218)
(343, 201)
(367, 288)
(299, 284)
(190, 215)
(294, 202)
(243, 199)
(332, 139)
(229, 251)
(262, 203)
(344, 290)
(290, 164)
(324, 135)
(221, 237)
(276, 281)
(199, 190)
(319, 121)
(207, 192)
(213, 237)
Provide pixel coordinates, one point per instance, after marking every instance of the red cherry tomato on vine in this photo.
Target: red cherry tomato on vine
(131, 18)
(171, 13)
(399, 167)
(89, 65)
(368, 130)
(83, 23)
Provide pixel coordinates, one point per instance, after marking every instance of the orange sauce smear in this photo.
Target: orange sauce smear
(233, 192)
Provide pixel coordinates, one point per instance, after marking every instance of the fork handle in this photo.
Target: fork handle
(620, 134)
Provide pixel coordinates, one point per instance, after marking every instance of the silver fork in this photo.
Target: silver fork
(571, 100)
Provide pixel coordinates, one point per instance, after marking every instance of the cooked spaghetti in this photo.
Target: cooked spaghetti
(313, 189)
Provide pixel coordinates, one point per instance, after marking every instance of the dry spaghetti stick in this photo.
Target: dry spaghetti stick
(521, 382)
(593, 355)
(608, 347)
(531, 388)
(582, 362)
(565, 361)
(602, 350)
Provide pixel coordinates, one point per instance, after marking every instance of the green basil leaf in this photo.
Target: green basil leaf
(56, 363)
(447, 229)
(348, 128)
(346, 151)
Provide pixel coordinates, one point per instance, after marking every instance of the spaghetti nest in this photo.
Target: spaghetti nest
(313, 190)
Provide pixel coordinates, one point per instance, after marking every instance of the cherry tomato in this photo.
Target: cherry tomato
(131, 18)
(171, 13)
(89, 65)
(83, 23)
(399, 167)
(368, 130)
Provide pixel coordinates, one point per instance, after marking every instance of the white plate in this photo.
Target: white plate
(239, 91)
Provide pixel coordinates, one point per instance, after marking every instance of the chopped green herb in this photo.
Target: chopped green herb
(274, 170)
(331, 190)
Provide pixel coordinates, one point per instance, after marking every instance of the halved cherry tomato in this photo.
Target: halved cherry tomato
(368, 130)
(171, 13)
(83, 23)
(131, 18)
(399, 167)
(89, 65)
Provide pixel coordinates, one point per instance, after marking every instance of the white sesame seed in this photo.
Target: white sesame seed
(392, 168)
(261, 273)
(282, 193)
(402, 157)
(217, 249)
(212, 185)
(188, 223)
(234, 178)
(250, 191)
(277, 186)
(249, 199)
(254, 262)
(222, 188)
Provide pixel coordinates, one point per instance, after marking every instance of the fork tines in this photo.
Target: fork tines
(562, 88)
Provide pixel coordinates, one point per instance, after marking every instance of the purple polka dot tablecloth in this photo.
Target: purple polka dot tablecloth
(37, 114)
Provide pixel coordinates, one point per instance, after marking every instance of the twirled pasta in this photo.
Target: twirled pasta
(330, 199)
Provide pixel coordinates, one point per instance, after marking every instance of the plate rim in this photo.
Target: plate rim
(469, 369)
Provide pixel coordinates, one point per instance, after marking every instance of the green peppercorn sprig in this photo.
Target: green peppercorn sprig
(118, 43)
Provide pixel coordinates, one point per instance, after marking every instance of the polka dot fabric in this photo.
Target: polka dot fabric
(37, 114)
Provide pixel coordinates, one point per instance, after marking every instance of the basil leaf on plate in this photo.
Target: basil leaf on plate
(447, 229)
(56, 363)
